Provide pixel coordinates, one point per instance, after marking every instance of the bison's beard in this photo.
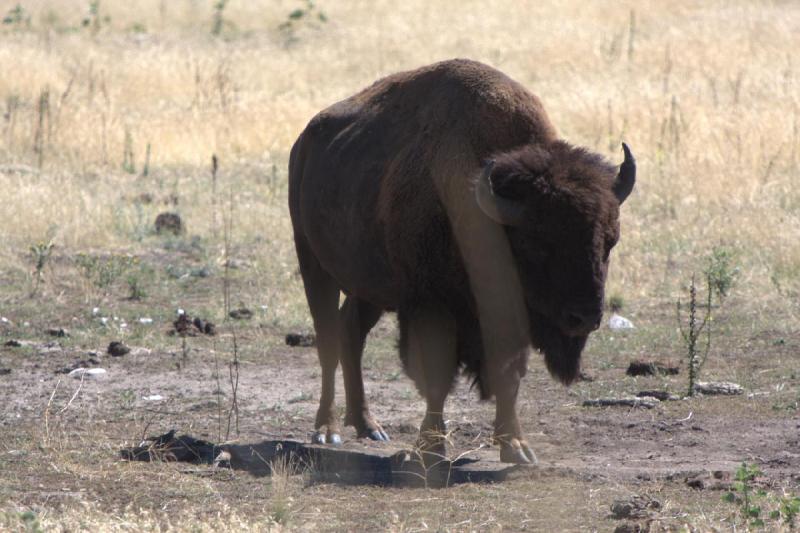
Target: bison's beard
(562, 353)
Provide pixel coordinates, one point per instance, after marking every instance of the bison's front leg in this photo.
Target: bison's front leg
(507, 430)
(428, 338)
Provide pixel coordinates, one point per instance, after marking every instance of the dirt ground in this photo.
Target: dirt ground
(62, 435)
(116, 112)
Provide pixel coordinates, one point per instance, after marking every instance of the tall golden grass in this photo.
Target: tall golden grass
(706, 94)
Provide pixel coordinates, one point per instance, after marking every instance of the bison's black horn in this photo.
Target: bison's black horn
(627, 175)
(501, 210)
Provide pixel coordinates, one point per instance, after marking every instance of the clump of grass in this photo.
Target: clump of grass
(722, 271)
(790, 510)
(93, 19)
(218, 18)
(753, 503)
(30, 522)
(307, 15)
(43, 123)
(135, 282)
(281, 471)
(41, 252)
(102, 272)
(128, 162)
(146, 166)
(745, 475)
(17, 17)
(616, 303)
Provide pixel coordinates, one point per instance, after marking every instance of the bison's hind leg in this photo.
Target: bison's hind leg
(322, 293)
(357, 317)
(428, 350)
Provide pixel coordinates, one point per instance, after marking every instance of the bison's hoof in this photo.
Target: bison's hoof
(378, 434)
(518, 452)
(323, 437)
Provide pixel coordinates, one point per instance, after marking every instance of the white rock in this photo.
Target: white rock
(104, 320)
(95, 311)
(718, 387)
(617, 322)
(180, 312)
(153, 398)
(88, 372)
(4, 320)
(145, 320)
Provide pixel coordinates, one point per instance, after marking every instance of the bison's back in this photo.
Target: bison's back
(362, 184)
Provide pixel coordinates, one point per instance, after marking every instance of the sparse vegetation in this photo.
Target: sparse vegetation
(218, 19)
(94, 20)
(308, 15)
(757, 507)
(691, 333)
(101, 272)
(128, 161)
(17, 17)
(721, 271)
(743, 485)
(135, 281)
(95, 83)
(41, 252)
(616, 303)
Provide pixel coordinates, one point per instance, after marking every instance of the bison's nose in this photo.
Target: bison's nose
(582, 320)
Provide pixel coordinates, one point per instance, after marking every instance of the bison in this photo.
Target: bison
(444, 194)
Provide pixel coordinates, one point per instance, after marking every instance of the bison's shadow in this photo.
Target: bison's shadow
(355, 463)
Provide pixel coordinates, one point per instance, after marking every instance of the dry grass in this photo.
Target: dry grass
(706, 93)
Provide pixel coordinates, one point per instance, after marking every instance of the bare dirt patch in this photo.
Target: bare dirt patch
(67, 433)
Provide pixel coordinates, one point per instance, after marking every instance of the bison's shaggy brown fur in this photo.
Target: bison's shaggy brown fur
(444, 194)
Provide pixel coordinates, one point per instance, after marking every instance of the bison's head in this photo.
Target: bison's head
(560, 207)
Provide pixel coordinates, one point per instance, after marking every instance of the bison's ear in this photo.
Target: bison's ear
(626, 178)
(502, 210)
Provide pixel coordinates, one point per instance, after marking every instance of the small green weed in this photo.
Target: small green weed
(128, 161)
(694, 329)
(790, 510)
(616, 303)
(17, 17)
(754, 503)
(127, 398)
(30, 522)
(302, 16)
(721, 270)
(218, 18)
(135, 281)
(41, 252)
(102, 272)
(93, 20)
